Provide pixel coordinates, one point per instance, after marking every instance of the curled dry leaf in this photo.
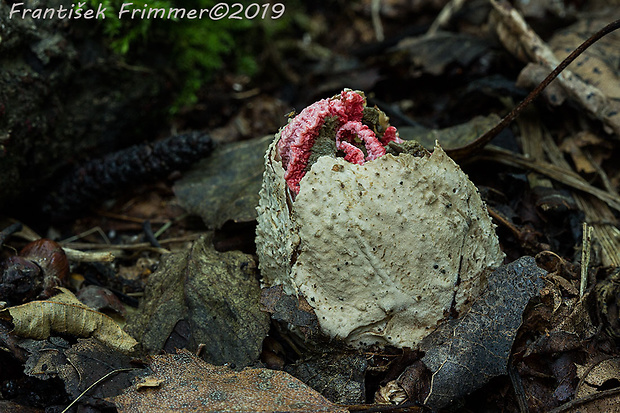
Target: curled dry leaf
(189, 384)
(598, 376)
(65, 314)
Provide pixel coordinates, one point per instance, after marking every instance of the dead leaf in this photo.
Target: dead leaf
(600, 63)
(291, 310)
(598, 387)
(203, 297)
(101, 299)
(7, 406)
(453, 136)
(225, 186)
(188, 384)
(581, 161)
(149, 382)
(65, 314)
(79, 366)
(433, 54)
(607, 293)
(338, 376)
(598, 376)
(466, 353)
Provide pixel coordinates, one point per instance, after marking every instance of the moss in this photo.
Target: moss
(193, 49)
(325, 143)
(376, 120)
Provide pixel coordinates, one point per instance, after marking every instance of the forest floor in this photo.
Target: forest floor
(172, 264)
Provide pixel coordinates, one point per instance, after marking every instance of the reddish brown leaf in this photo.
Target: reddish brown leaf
(189, 384)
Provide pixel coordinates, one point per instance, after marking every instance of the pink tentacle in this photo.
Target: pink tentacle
(353, 154)
(390, 135)
(349, 130)
(298, 137)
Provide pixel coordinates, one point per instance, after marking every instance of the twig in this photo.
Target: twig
(375, 12)
(86, 233)
(122, 217)
(445, 15)
(465, 151)
(88, 256)
(517, 385)
(8, 231)
(586, 246)
(148, 234)
(132, 247)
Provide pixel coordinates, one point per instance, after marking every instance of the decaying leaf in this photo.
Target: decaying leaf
(466, 353)
(338, 376)
(79, 366)
(189, 384)
(225, 186)
(7, 406)
(434, 53)
(598, 376)
(65, 314)
(453, 136)
(600, 63)
(608, 304)
(294, 311)
(203, 297)
(568, 320)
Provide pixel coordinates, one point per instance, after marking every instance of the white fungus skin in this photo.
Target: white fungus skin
(382, 251)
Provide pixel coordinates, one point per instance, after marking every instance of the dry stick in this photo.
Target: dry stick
(465, 151)
(585, 257)
(375, 11)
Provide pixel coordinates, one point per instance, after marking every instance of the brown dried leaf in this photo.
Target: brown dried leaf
(598, 375)
(599, 64)
(65, 314)
(188, 384)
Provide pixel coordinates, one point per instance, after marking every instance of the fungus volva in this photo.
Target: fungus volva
(383, 244)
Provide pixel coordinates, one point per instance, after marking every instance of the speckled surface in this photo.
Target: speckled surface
(380, 250)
